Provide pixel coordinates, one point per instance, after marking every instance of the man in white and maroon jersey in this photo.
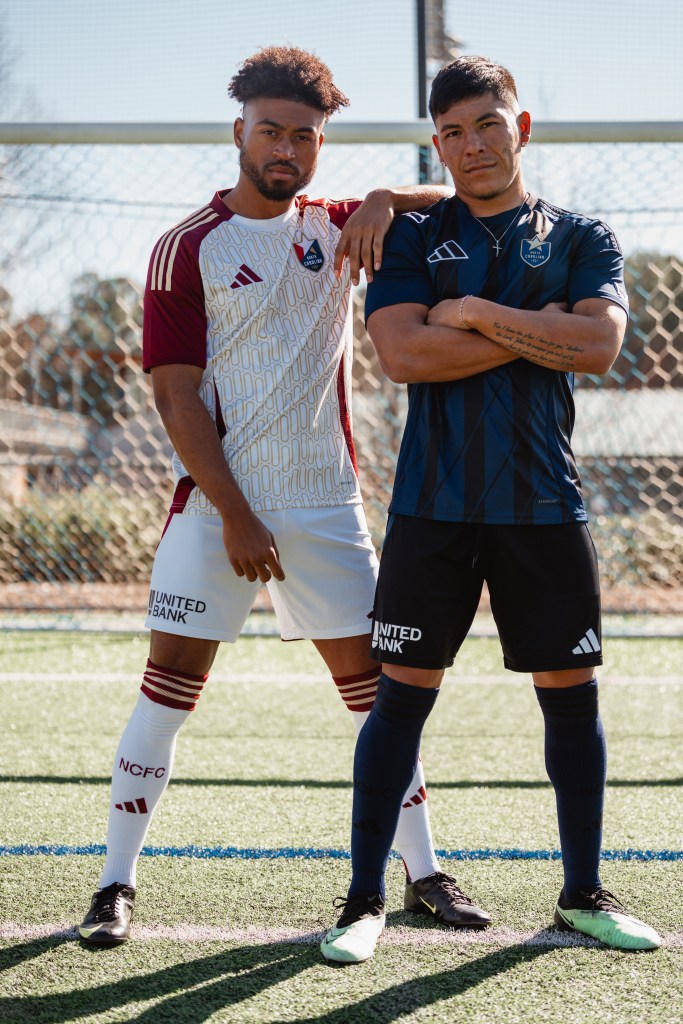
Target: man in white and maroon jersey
(247, 337)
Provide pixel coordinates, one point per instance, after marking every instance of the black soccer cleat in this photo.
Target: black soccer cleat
(439, 896)
(107, 923)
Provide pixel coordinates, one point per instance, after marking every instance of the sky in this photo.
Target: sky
(170, 60)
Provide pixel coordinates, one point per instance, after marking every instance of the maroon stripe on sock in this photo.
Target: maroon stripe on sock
(175, 675)
(168, 702)
(173, 687)
(350, 686)
(372, 673)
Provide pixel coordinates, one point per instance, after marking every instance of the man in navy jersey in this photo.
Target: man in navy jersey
(486, 305)
(248, 342)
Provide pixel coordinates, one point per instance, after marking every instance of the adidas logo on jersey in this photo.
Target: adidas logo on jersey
(245, 275)
(448, 251)
(588, 644)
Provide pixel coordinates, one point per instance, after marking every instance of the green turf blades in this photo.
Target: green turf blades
(614, 929)
(355, 943)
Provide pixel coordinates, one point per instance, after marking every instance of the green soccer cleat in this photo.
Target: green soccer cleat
(439, 896)
(601, 915)
(107, 923)
(354, 937)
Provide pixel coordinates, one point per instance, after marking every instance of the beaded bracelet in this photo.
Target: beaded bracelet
(463, 323)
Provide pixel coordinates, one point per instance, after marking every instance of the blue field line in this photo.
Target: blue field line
(311, 853)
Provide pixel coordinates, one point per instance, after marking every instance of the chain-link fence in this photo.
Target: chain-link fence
(84, 461)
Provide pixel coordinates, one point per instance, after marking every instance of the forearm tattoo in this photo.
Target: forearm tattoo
(537, 348)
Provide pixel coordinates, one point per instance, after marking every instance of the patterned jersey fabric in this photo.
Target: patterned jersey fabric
(255, 303)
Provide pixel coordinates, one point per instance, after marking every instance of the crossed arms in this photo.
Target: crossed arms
(456, 339)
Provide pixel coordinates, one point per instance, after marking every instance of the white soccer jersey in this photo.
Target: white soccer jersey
(257, 305)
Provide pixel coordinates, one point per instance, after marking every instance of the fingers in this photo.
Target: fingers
(339, 255)
(363, 249)
(355, 263)
(261, 568)
(377, 250)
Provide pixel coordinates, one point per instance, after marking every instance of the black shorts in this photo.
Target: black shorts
(542, 580)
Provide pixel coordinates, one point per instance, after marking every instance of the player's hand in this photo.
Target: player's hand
(251, 548)
(362, 236)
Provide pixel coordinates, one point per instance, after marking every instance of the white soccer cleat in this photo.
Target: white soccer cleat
(600, 915)
(354, 937)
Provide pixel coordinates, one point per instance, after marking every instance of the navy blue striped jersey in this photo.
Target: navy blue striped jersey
(494, 447)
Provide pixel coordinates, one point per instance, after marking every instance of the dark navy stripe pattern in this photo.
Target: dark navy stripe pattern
(495, 447)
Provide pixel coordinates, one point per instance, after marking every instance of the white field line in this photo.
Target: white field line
(320, 677)
(393, 936)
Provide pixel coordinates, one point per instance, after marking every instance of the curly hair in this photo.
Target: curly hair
(285, 72)
(470, 76)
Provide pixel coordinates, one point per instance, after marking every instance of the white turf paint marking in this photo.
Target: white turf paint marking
(393, 936)
(296, 677)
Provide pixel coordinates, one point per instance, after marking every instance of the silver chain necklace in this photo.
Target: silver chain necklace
(514, 220)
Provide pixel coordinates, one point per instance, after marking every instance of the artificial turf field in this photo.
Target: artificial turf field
(255, 831)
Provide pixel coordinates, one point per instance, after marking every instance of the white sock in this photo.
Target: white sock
(142, 767)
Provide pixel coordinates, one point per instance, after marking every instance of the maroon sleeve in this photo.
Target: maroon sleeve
(174, 327)
(338, 210)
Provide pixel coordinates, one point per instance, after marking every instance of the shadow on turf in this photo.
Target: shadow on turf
(101, 780)
(192, 992)
(396, 1001)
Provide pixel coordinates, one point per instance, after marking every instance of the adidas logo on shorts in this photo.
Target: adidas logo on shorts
(588, 644)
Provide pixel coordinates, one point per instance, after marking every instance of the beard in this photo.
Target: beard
(277, 191)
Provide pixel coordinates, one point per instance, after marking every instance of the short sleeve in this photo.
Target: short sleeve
(598, 270)
(338, 210)
(404, 275)
(174, 326)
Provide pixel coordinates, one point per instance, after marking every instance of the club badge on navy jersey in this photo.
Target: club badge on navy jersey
(534, 252)
(309, 254)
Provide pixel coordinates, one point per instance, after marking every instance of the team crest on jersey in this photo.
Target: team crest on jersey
(309, 254)
(448, 251)
(534, 252)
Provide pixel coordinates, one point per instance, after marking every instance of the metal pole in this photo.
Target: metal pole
(423, 151)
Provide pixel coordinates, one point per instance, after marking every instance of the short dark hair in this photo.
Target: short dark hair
(470, 76)
(285, 72)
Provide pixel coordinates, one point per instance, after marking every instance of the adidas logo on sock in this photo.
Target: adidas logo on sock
(245, 275)
(417, 798)
(588, 644)
(139, 807)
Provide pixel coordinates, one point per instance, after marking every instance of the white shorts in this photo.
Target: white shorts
(329, 562)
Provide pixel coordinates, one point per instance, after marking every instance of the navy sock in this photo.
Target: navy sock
(386, 757)
(576, 761)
